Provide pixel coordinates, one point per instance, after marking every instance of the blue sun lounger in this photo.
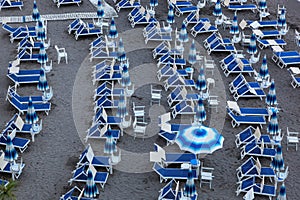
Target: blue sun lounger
(19, 143)
(11, 92)
(238, 120)
(101, 132)
(284, 54)
(239, 66)
(168, 58)
(177, 80)
(102, 118)
(262, 24)
(156, 35)
(167, 192)
(145, 18)
(239, 7)
(106, 102)
(180, 94)
(84, 30)
(267, 43)
(220, 46)
(24, 55)
(22, 32)
(105, 75)
(167, 71)
(180, 10)
(74, 194)
(286, 61)
(6, 167)
(295, 79)
(203, 27)
(106, 65)
(11, 4)
(193, 18)
(21, 79)
(214, 37)
(106, 88)
(127, 4)
(163, 48)
(240, 81)
(74, 25)
(183, 108)
(103, 53)
(135, 11)
(67, 2)
(97, 43)
(28, 43)
(254, 149)
(169, 137)
(249, 134)
(247, 91)
(270, 33)
(247, 111)
(172, 173)
(80, 175)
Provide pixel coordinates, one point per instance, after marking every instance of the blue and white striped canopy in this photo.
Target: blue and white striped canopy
(201, 82)
(271, 99)
(171, 18)
(234, 29)
(183, 36)
(282, 19)
(42, 84)
(252, 46)
(277, 162)
(121, 51)
(125, 79)
(31, 116)
(122, 109)
(263, 71)
(273, 124)
(199, 140)
(90, 189)
(282, 193)
(192, 53)
(100, 10)
(189, 187)
(110, 144)
(217, 9)
(10, 153)
(35, 13)
(113, 33)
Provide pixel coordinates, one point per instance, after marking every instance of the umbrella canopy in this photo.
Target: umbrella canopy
(183, 36)
(35, 13)
(252, 46)
(192, 53)
(273, 124)
(10, 153)
(217, 10)
(282, 193)
(277, 162)
(125, 79)
(42, 84)
(121, 51)
(234, 29)
(113, 33)
(153, 3)
(171, 18)
(282, 19)
(31, 116)
(200, 111)
(271, 99)
(263, 71)
(100, 10)
(122, 109)
(110, 144)
(199, 140)
(262, 4)
(90, 189)
(41, 34)
(42, 57)
(201, 82)
(189, 187)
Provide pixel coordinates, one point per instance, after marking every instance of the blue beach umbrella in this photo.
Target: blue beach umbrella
(201, 82)
(277, 162)
(42, 84)
(110, 144)
(42, 57)
(282, 193)
(153, 3)
(122, 109)
(263, 71)
(125, 79)
(41, 34)
(90, 189)
(121, 51)
(113, 33)
(271, 99)
(189, 187)
(183, 36)
(234, 29)
(262, 4)
(252, 46)
(192, 53)
(200, 115)
(282, 19)
(31, 116)
(273, 124)
(35, 13)
(10, 153)
(199, 140)
(217, 10)
(171, 18)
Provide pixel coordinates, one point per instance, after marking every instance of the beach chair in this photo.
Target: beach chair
(11, 4)
(220, 46)
(22, 32)
(254, 149)
(105, 102)
(237, 120)
(284, 54)
(156, 35)
(74, 194)
(127, 4)
(294, 71)
(203, 27)
(28, 42)
(167, 192)
(135, 11)
(85, 30)
(19, 143)
(102, 118)
(249, 134)
(88, 157)
(168, 59)
(247, 91)
(183, 108)
(286, 61)
(107, 88)
(80, 175)
(194, 18)
(167, 71)
(238, 7)
(182, 7)
(262, 24)
(104, 52)
(67, 2)
(107, 75)
(211, 39)
(22, 79)
(292, 139)
(248, 111)
(270, 42)
(176, 80)
(12, 168)
(145, 18)
(74, 25)
(239, 66)
(252, 167)
(172, 173)
(266, 34)
(101, 131)
(27, 55)
(139, 128)
(163, 48)
(179, 93)
(106, 65)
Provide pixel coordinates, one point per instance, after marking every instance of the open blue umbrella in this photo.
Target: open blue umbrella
(113, 33)
(252, 46)
(192, 53)
(90, 189)
(200, 114)
(189, 187)
(199, 140)
(42, 84)
(110, 144)
(125, 79)
(41, 34)
(171, 18)
(42, 57)
(121, 51)
(271, 99)
(35, 13)
(273, 124)
(262, 4)
(277, 162)
(217, 9)
(10, 153)
(183, 36)
(31, 116)
(282, 193)
(122, 109)
(263, 71)
(201, 82)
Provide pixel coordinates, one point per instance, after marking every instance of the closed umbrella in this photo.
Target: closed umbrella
(121, 51)
(200, 114)
(183, 36)
(192, 53)
(10, 153)
(35, 13)
(122, 109)
(271, 99)
(282, 193)
(42, 84)
(262, 4)
(189, 187)
(110, 144)
(263, 71)
(153, 3)
(273, 124)
(201, 82)
(277, 162)
(113, 33)
(100, 11)
(42, 57)
(282, 19)
(90, 189)
(217, 9)
(125, 79)
(234, 29)
(31, 116)
(252, 49)
(41, 34)
(171, 18)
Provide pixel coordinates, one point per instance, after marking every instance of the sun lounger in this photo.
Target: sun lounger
(27, 55)
(169, 137)
(135, 11)
(249, 134)
(194, 18)
(99, 42)
(142, 19)
(203, 27)
(237, 119)
(7, 167)
(238, 7)
(294, 72)
(165, 47)
(180, 10)
(220, 46)
(28, 42)
(19, 143)
(11, 4)
(247, 91)
(172, 173)
(283, 54)
(103, 53)
(80, 175)
(167, 192)
(85, 30)
(101, 132)
(156, 35)
(183, 108)
(102, 118)
(107, 88)
(179, 94)
(67, 2)
(267, 43)
(168, 58)
(286, 61)
(263, 34)
(74, 194)
(211, 39)
(21, 79)
(107, 75)
(262, 24)
(74, 25)
(247, 111)
(127, 4)
(254, 149)
(105, 102)
(253, 168)
(239, 66)
(167, 71)
(176, 80)
(22, 32)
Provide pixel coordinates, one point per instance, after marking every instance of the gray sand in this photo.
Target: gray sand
(50, 160)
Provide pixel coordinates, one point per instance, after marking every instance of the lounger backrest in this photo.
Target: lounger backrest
(92, 168)
(3, 163)
(103, 130)
(234, 106)
(12, 134)
(165, 118)
(104, 114)
(257, 133)
(81, 194)
(19, 123)
(166, 127)
(258, 166)
(243, 89)
(147, 17)
(207, 25)
(142, 10)
(90, 155)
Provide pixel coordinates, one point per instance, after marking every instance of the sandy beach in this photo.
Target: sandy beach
(54, 154)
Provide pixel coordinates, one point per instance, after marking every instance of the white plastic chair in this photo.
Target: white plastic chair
(206, 175)
(139, 112)
(213, 102)
(61, 52)
(155, 96)
(139, 128)
(209, 65)
(292, 139)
